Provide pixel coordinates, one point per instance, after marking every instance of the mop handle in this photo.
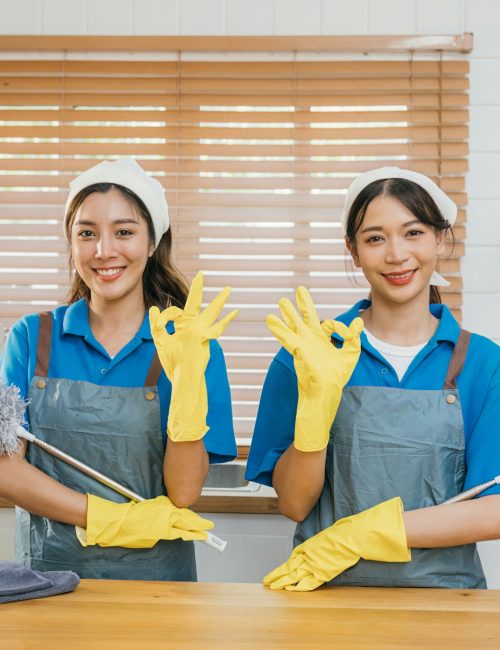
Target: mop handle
(473, 491)
(212, 540)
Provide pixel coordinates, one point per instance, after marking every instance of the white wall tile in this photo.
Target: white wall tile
(269, 552)
(256, 545)
(481, 314)
(64, 17)
(484, 128)
(481, 269)
(481, 264)
(392, 17)
(155, 17)
(110, 17)
(440, 17)
(482, 179)
(482, 18)
(484, 88)
(489, 552)
(297, 17)
(249, 18)
(7, 523)
(341, 17)
(483, 223)
(20, 17)
(202, 17)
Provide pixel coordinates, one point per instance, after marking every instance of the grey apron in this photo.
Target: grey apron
(387, 442)
(116, 431)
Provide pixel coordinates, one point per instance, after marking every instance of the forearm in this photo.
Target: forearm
(185, 469)
(298, 480)
(455, 524)
(31, 489)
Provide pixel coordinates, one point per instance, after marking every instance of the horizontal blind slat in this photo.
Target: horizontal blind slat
(239, 69)
(234, 165)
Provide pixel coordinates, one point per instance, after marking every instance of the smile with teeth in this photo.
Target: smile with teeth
(399, 276)
(109, 272)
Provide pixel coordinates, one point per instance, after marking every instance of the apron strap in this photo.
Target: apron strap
(457, 359)
(43, 352)
(43, 348)
(154, 371)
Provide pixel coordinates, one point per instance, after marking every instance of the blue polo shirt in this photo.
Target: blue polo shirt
(478, 386)
(76, 354)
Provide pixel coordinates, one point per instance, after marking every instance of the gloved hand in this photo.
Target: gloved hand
(374, 534)
(184, 356)
(139, 525)
(322, 369)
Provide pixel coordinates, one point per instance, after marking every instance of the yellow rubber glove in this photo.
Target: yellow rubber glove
(184, 356)
(375, 534)
(139, 525)
(322, 369)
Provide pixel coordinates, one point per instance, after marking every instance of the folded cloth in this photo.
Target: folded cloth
(19, 583)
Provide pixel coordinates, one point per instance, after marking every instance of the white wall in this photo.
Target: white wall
(7, 521)
(481, 264)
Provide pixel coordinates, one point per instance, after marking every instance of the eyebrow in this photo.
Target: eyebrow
(378, 228)
(88, 222)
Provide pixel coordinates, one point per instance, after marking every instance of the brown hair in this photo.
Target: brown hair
(412, 196)
(162, 283)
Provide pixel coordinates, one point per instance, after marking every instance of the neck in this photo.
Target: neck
(115, 323)
(409, 323)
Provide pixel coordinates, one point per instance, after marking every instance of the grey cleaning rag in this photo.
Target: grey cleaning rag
(19, 583)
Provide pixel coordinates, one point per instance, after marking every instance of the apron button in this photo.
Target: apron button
(150, 395)
(451, 399)
(41, 383)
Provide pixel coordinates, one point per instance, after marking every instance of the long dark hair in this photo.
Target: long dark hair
(162, 283)
(412, 196)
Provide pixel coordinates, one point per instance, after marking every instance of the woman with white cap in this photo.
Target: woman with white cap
(364, 433)
(95, 388)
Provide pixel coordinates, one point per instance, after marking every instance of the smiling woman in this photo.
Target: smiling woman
(96, 390)
(364, 440)
(110, 247)
(388, 201)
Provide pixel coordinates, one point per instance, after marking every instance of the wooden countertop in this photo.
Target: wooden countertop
(243, 504)
(121, 615)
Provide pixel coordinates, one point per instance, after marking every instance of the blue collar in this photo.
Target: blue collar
(76, 322)
(447, 330)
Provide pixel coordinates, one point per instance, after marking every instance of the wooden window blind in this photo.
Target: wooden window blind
(255, 156)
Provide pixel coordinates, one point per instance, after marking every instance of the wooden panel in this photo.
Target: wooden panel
(253, 69)
(223, 504)
(301, 115)
(237, 505)
(361, 44)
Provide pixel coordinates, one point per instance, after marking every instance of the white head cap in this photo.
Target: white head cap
(446, 206)
(126, 172)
